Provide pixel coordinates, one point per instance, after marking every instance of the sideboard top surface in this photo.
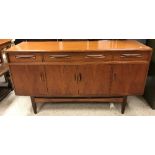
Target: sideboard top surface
(79, 46)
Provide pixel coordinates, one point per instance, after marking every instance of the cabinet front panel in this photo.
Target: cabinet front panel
(94, 79)
(131, 56)
(25, 57)
(61, 80)
(128, 79)
(77, 57)
(28, 80)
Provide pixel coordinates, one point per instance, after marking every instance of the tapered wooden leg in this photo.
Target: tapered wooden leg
(124, 105)
(34, 105)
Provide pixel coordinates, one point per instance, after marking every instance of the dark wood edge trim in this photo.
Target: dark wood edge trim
(86, 100)
(81, 63)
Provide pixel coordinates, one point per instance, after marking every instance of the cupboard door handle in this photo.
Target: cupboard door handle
(114, 76)
(80, 77)
(131, 55)
(75, 78)
(95, 56)
(25, 56)
(42, 77)
(59, 56)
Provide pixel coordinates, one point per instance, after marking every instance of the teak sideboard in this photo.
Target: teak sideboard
(79, 71)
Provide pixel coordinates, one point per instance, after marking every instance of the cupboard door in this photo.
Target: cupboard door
(94, 80)
(61, 80)
(128, 79)
(29, 80)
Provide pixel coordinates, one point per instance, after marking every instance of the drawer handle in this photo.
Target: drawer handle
(131, 55)
(95, 56)
(59, 56)
(25, 56)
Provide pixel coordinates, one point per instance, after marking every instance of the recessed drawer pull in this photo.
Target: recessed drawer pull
(95, 56)
(59, 56)
(25, 56)
(131, 55)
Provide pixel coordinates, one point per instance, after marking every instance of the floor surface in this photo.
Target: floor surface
(14, 105)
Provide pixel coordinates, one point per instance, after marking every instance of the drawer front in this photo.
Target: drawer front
(73, 57)
(25, 57)
(131, 56)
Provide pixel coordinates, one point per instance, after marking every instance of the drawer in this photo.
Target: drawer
(25, 57)
(70, 57)
(131, 56)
